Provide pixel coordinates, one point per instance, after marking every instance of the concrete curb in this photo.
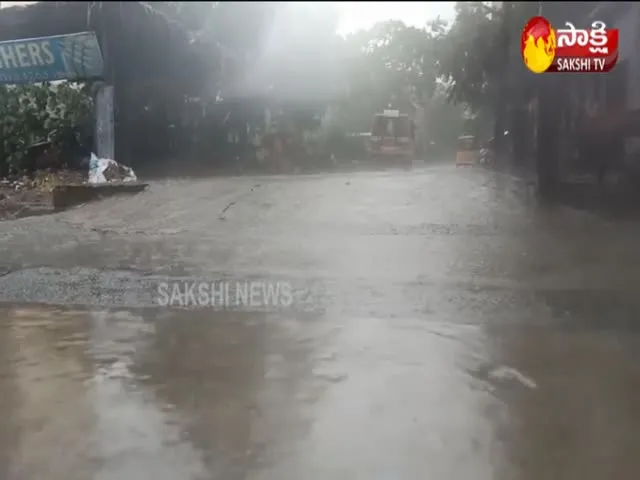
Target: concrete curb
(66, 196)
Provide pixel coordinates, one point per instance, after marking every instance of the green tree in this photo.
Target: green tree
(480, 58)
(391, 64)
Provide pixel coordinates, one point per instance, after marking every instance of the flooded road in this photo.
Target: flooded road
(443, 325)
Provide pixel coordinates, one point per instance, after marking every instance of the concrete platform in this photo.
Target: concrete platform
(66, 196)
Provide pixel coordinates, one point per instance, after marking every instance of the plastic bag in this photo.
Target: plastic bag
(105, 170)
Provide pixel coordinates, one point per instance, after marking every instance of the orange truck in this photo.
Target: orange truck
(468, 151)
(392, 137)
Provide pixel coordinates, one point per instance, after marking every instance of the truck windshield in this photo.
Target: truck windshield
(467, 144)
(384, 126)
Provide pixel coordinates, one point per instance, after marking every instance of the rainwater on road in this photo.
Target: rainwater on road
(443, 325)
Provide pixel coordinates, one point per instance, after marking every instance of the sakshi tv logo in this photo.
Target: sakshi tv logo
(546, 49)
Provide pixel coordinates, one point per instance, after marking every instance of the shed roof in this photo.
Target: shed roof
(44, 19)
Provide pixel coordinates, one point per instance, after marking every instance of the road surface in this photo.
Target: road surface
(442, 325)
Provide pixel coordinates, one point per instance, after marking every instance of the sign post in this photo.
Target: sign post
(104, 121)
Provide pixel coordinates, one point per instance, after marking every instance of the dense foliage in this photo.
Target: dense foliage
(32, 114)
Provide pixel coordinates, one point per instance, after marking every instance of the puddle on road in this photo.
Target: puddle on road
(115, 395)
(201, 394)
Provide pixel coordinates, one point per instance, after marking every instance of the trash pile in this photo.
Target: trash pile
(105, 170)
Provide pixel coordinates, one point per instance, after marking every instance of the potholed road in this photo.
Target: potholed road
(442, 325)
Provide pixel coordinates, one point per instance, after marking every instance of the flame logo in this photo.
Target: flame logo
(538, 44)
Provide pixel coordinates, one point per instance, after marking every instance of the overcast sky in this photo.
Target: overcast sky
(360, 15)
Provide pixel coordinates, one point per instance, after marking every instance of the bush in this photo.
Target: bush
(30, 114)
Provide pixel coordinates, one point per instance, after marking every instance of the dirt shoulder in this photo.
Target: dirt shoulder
(27, 196)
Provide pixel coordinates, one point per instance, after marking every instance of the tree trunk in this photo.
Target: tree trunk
(499, 126)
(502, 98)
(519, 135)
(548, 132)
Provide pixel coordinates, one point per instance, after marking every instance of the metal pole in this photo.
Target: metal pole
(104, 128)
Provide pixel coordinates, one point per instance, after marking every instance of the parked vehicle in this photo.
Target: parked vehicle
(485, 156)
(486, 153)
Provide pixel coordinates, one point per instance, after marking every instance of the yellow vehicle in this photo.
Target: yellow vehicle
(468, 151)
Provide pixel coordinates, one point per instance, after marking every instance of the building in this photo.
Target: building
(613, 100)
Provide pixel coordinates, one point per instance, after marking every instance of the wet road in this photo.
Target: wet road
(443, 325)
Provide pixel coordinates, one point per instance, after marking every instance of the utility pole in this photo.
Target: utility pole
(547, 132)
(103, 94)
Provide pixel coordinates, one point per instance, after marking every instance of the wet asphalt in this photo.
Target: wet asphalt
(442, 324)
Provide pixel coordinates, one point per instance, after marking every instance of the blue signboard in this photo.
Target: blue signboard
(65, 57)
